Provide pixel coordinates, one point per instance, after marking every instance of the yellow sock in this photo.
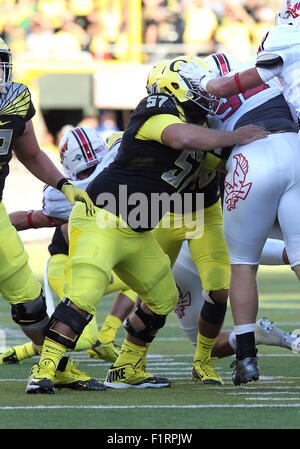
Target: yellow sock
(109, 329)
(204, 347)
(131, 353)
(25, 351)
(52, 351)
(88, 337)
(39, 348)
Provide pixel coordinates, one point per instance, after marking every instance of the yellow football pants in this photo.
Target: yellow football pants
(17, 282)
(55, 271)
(104, 243)
(209, 252)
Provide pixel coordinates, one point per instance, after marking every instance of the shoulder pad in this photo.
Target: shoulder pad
(155, 104)
(162, 102)
(268, 60)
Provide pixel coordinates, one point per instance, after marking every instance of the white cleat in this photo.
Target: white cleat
(268, 334)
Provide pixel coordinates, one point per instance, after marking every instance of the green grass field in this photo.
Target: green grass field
(273, 402)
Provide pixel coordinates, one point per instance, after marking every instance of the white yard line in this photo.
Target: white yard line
(126, 407)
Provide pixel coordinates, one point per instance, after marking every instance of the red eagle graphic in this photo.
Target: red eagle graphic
(235, 188)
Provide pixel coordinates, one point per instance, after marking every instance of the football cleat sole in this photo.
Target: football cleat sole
(42, 386)
(152, 382)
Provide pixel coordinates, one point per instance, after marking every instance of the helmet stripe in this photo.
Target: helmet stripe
(222, 63)
(84, 144)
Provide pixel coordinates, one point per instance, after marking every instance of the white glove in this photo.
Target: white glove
(195, 73)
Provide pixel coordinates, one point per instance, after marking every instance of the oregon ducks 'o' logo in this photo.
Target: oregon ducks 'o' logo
(172, 65)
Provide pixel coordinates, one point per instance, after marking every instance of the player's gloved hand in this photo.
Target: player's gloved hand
(195, 73)
(73, 194)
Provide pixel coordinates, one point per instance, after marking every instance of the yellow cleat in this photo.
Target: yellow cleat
(108, 351)
(129, 376)
(205, 372)
(41, 378)
(68, 376)
(9, 357)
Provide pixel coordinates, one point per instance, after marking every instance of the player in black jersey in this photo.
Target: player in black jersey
(18, 285)
(118, 238)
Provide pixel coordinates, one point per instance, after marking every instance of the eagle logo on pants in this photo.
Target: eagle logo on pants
(235, 187)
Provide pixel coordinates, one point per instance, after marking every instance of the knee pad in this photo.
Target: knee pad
(213, 312)
(30, 315)
(67, 315)
(152, 323)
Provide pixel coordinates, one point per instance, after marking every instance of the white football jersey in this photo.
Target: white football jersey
(233, 108)
(284, 41)
(56, 205)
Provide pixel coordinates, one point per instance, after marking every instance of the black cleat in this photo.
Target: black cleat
(245, 371)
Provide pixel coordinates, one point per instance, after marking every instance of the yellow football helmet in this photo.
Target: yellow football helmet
(5, 64)
(169, 81)
(151, 85)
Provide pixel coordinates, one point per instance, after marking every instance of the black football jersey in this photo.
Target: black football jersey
(16, 109)
(146, 167)
(58, 243)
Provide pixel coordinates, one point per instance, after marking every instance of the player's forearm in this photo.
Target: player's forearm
(19, 220)
(230, 85)
(27, 219)
(196, 138)
(42, 168)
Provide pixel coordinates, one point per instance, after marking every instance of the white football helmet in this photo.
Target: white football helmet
(220, 64)
(289, 13)
(5, 64)
(80, 148)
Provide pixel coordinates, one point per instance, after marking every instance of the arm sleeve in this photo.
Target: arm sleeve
(268, 74)
(268, 65)
(153, 127)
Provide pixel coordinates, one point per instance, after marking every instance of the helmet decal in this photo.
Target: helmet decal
(293, 9)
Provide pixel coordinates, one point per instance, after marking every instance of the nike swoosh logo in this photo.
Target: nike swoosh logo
(4, 123)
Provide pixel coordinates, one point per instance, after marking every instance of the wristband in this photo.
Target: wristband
(61, 182)
(50, 220)
(203, 82)
(29, 219)
(238, 82)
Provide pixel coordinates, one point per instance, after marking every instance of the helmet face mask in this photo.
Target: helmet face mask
(5, 64)
(191, 99)
(79, 149)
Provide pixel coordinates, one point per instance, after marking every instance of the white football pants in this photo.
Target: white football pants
(187, 279)
(263, 181)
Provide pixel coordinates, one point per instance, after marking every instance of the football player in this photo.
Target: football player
(83, 156)
(262, 181)
(156, 136)
(56, 210)
(18, 285)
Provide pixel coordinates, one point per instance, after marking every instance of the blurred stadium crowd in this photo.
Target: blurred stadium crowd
(99, 29)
